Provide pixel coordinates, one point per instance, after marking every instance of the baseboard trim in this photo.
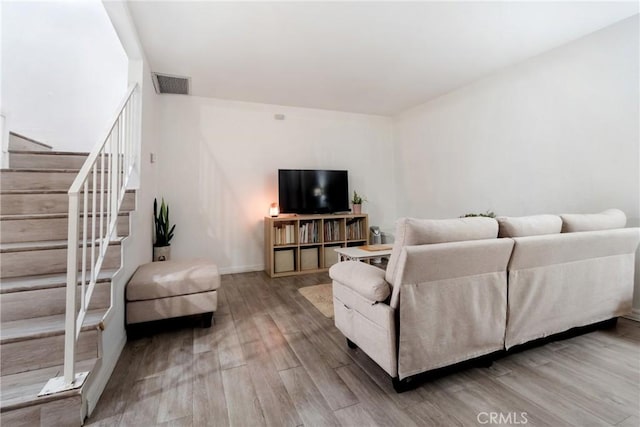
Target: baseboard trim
(634, 315)
(241, 269)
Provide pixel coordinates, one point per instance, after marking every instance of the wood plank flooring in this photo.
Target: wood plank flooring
(271, 359)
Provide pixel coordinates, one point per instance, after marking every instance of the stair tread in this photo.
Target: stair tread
(43, 216)
(34, 192)
(49, 153)
(44, 281)
(40, 170)
(45, 191)
(19, 390)
(46, 326)
(44, 245)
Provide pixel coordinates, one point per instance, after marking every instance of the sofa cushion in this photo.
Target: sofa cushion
(609, 219)
(412, 231)
(523, 226)
(171, 278)
(364, 279)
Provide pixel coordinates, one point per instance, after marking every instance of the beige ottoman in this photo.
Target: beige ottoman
(166, 289)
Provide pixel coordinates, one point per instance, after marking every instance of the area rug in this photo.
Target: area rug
(321, 297)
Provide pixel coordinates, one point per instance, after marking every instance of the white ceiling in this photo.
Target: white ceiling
(365, 57)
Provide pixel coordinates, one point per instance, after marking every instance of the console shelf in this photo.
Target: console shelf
(301, 244)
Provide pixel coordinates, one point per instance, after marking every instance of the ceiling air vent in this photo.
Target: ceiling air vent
(165, 83)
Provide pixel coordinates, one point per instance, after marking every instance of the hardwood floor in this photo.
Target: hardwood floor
(272, 359)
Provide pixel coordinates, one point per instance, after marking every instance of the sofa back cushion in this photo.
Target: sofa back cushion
(609, 219)
(534, 225)
(413, 231)
(560, 281)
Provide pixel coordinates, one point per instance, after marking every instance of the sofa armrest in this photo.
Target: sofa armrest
(364, 279)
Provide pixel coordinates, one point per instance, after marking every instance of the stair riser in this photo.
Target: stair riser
(39, 353)
(64, 412)
(45, 161)
(19, 180)
(42, 203)
(33, 230)
(48, 302)
(48, 261)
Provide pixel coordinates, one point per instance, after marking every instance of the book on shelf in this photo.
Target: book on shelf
(284, 234)
(354, 229)
(332, 231)
(308, 232)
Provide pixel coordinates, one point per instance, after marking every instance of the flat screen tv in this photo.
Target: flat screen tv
(305, 191)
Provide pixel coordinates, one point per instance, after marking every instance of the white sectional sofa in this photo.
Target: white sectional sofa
(581, 276)
(458, 289)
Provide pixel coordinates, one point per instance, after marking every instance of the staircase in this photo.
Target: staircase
(33, 263)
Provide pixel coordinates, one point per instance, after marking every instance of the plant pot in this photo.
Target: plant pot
(161, 253)
(357, 209)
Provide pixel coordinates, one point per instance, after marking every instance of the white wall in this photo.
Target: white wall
(218, 163)
(4, 133)
(64, 72)
(557, 133)
(4, 143)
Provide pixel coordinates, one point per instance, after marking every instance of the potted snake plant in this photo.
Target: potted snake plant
(164, 232)
(357, 201)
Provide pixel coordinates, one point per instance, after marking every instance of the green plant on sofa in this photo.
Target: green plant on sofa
(164, 232)
(487, 214)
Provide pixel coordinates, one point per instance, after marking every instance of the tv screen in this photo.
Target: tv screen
(304, 191)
